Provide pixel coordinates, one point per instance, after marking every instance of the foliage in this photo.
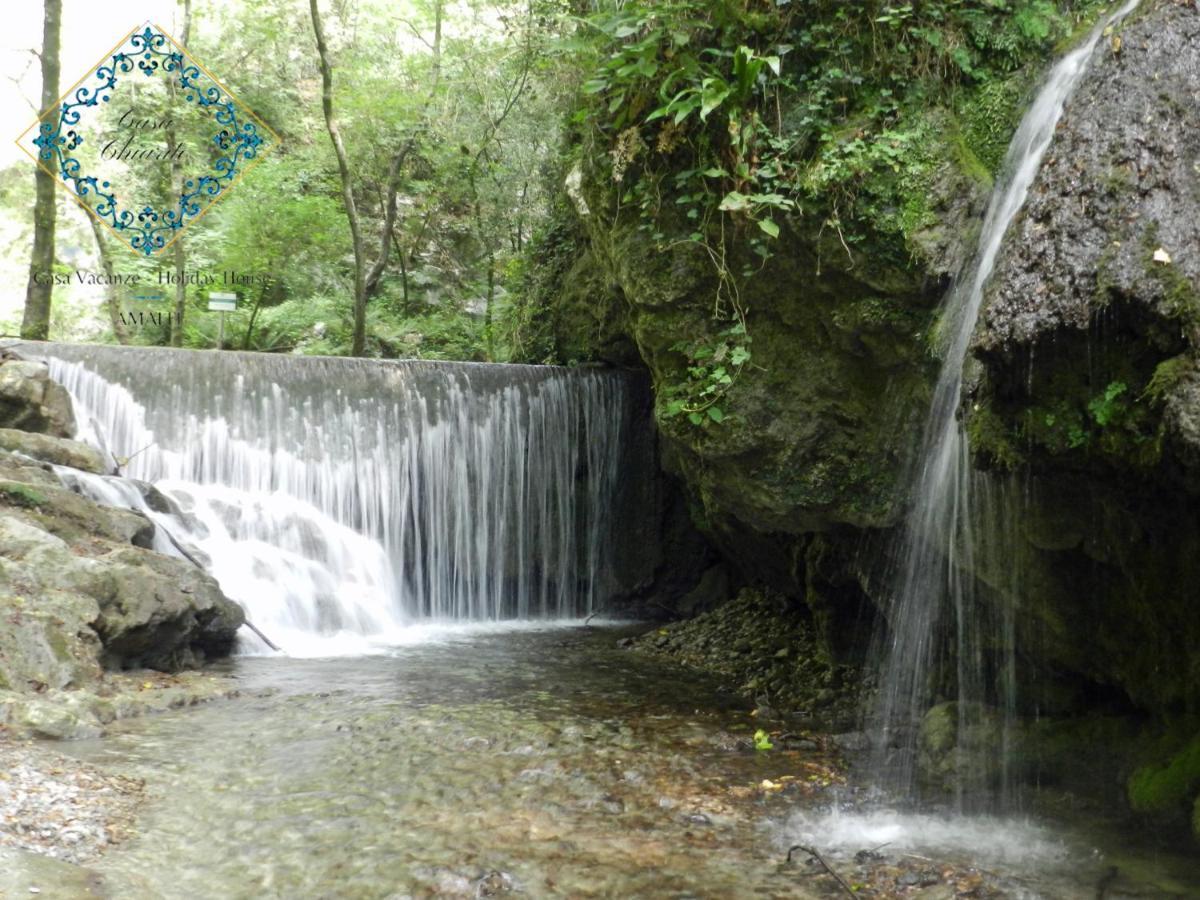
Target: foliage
(762, 741)
(1108, 405)
(711, 372)
(478, 119)
(725, 123)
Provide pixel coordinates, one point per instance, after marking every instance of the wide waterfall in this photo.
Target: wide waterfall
(956, 516)
(347, 498)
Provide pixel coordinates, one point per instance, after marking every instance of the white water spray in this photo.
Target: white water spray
(339, 501)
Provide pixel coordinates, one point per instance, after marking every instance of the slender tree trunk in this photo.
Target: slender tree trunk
(358, 342)
(180, 254)
(111, 294)
(262, 295)
(488, 337)
(35, 323)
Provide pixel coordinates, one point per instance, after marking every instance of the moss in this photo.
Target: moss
(1167, 787)
(21, 495)
(1168, 375)
(58, 645)
(989, 116)
(1180, 296)
(990, 439)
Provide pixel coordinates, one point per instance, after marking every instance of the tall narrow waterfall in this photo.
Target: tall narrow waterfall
(951, 519)
(338, 496)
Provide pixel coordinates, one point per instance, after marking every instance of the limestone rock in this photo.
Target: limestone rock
(160, 612)
(31, 401)
(57, 450)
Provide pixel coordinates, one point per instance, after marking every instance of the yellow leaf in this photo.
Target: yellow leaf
(1162, 256)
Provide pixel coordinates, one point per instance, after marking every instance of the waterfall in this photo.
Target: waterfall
(956, 515)
(346, 498)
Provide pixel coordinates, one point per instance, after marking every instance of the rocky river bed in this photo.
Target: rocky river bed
(491, 762)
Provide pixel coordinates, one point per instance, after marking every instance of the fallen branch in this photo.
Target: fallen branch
(824, 865)
(199, 565)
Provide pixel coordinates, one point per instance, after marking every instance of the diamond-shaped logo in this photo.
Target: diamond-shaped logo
(148, 140)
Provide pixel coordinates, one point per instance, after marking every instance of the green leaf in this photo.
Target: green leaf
(715, 413)
(734, 202)
(695, 418)
(714, 92)
(769, 227)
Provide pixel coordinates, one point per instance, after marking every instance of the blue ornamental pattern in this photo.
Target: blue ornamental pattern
(148, 230)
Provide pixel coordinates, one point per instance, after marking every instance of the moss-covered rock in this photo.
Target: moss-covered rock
(1168, 786)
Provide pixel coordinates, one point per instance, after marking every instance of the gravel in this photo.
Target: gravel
(60, 807)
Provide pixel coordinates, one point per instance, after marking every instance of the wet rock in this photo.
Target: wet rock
(712, 590)
(495, 883)
(612, 804)
(31, 401)
(21, 873)
(852, 741)
(959, 746)
(150, 610)
(770, 653)
(1087, 382)
(922, 878)
(56, 450)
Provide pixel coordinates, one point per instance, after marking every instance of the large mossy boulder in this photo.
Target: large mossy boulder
(1087, 386)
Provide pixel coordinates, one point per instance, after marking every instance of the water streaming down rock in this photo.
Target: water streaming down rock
(957, 516)
(347, 497)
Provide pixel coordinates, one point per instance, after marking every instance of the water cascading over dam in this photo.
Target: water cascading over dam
(340, 497)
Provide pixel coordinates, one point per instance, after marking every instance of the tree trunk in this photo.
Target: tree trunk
(180, 255)
(358, 342)
(35, 323)
(111, 293)
(488, 336)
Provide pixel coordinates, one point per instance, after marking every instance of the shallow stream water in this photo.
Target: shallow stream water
(536, 762)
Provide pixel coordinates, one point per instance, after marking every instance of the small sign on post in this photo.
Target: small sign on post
(222, 303)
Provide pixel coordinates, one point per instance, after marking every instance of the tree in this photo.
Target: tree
(364, 282)
(35, 325)
(180, 256)
(111, 295)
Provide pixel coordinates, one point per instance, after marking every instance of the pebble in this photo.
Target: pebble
(59, 807)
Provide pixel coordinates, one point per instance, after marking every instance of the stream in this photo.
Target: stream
(487, 760)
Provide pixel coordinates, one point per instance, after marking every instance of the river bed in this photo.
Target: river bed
(530, 762)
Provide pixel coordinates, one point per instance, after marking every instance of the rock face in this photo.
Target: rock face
(1088, 343)
(81, 593)
(1087, 384)
(821, 429)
